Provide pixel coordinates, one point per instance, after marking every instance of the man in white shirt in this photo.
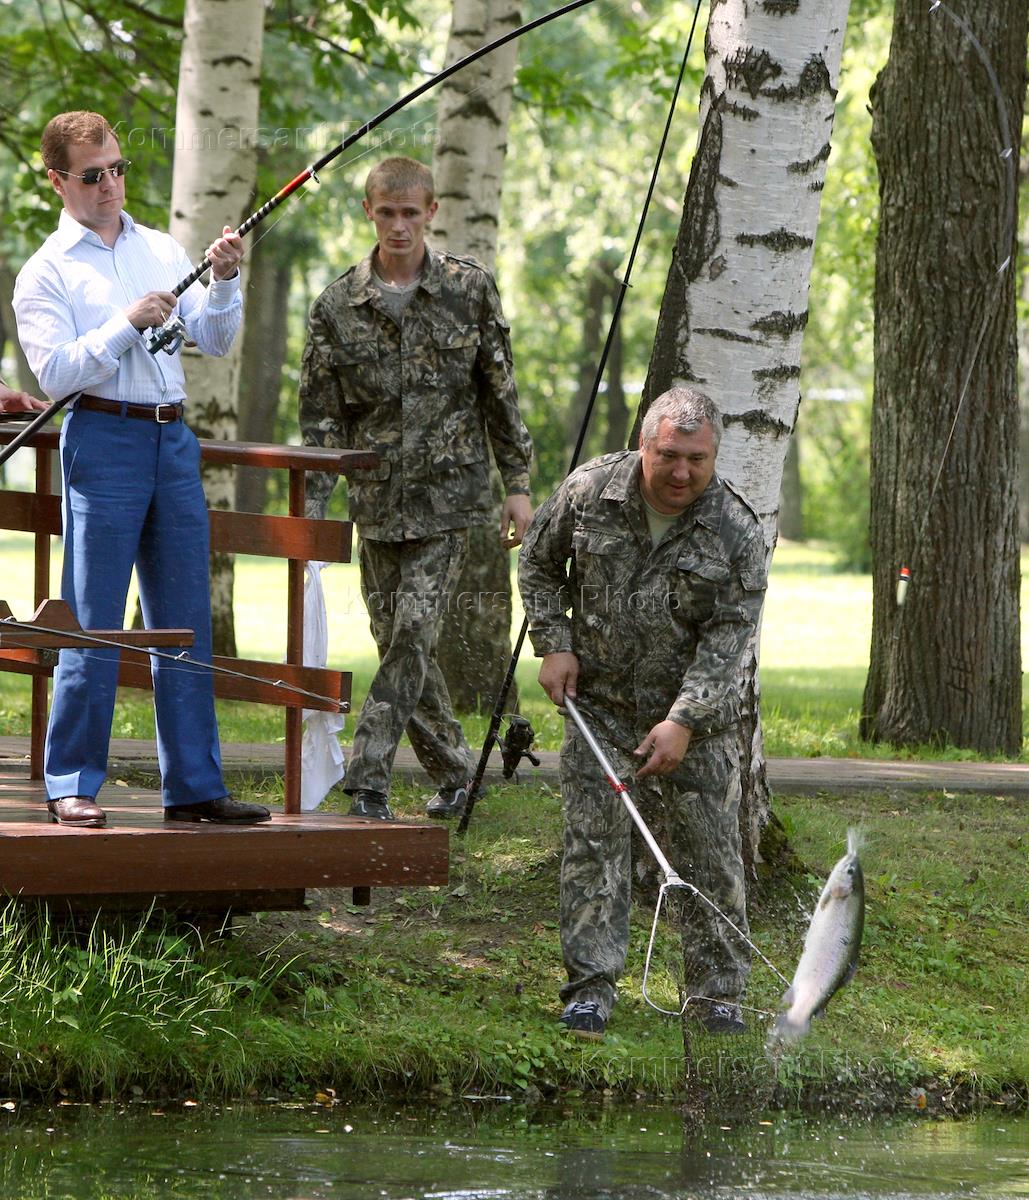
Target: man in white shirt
(132, 494)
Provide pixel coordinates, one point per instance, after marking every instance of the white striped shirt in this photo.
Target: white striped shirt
(70, 300)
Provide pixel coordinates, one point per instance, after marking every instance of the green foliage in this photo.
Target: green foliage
(103, 55)
(835, 467)
(591, 97)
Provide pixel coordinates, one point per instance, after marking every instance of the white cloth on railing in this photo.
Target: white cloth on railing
(322, 758)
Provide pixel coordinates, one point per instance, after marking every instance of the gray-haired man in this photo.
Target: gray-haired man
(643, 578)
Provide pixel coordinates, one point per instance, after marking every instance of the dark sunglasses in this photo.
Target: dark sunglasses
(94, 174)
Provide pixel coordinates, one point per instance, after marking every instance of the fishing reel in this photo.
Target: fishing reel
(169, 337)
(515, 745)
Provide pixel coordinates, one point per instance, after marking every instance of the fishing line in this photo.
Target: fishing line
(412, 128)
(498, 708)
(191, 666)
(672, 879)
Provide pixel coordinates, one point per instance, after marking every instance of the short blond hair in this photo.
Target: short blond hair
(72, 129)
(400, 174)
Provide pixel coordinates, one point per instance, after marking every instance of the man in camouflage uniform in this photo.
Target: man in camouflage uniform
(662, 566)
(408, 354)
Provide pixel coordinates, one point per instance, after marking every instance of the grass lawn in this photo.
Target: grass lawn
(814, 651)
(452, 990)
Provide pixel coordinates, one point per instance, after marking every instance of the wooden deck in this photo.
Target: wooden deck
(138, 860)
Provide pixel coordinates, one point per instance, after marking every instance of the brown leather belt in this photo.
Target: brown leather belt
(163, 414)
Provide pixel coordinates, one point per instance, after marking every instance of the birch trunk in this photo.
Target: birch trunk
(474, 107)
(264, 347)
(471, 144)
(735, 306)
(213, 186)
(945, 666)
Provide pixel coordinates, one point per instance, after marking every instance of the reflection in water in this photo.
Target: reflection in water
(500, 1152)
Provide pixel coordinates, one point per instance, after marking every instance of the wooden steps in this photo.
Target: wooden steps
(138, 860)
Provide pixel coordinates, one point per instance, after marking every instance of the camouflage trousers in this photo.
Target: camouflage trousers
(694, 819)
(406, 587)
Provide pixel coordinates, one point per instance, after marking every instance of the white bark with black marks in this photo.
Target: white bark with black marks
(735, 306)
(471, 138)
(471, 145)
(216, 120)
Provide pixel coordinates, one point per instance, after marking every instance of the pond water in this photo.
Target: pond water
(497, 1151)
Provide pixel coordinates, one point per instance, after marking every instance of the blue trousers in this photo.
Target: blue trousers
(132, 496)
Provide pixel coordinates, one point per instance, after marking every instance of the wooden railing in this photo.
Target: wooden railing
(294, 538)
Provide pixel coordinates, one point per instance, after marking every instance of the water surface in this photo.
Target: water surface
(497, 1151)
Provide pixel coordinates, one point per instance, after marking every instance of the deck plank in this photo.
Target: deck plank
(138, 854)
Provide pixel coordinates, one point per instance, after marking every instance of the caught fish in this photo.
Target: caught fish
(830, 955)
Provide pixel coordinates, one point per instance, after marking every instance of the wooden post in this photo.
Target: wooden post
(295, 648)
(40, 592)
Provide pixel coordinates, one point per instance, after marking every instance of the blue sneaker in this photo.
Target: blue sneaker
(584, 1019)
(723, 1016)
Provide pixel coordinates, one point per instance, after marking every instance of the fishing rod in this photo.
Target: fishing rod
(492, 738)
(168, 337)
(672, 878)
(169, 331)
(182, 659)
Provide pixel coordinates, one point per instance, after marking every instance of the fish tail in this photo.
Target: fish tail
(855, 839)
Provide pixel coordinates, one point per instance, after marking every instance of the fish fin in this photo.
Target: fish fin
(855, 839)
(851, 969)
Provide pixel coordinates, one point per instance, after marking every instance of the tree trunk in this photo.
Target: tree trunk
(601, 286)
(474, 107)
(264, 353)
(24, 380)
(213, 186)
(1023, 449)
(1023, 388)
(945, 666)
(791, 495)
(735, 306)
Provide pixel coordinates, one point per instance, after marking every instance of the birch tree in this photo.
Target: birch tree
(471, 145)
(945, 666)
(213, 186)
(735, 305)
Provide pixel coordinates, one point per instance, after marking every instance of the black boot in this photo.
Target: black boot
(371, 805)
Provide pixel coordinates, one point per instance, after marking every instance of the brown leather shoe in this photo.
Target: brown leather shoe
(78, 812)
(223, 811)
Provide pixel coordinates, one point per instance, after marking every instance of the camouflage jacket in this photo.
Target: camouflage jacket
(424, 395)
(658, 630)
